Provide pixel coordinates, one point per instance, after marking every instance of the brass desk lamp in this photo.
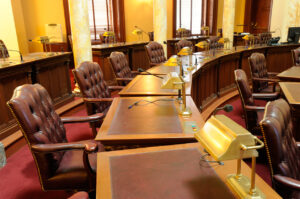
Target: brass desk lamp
(186, 51)
(224, 139)
(206, 30)
(175, 81)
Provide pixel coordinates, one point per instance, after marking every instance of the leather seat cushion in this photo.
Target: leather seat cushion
(71, 173)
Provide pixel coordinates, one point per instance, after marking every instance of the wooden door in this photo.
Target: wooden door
(257, 16)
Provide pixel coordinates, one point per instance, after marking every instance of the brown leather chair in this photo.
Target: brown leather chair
(96, 94)
(213, 42)
(262, 80)
(252, 113)
(121, 69)
(3, 50)
(183, 32)
(155, 53)
(60, 164)
(282, 149)
(296, 56)
(264, 37)
(183, 43)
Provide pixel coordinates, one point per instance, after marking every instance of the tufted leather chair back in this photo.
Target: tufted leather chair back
(182, 32)
(155, 52)
(3, 50)
(120, 65)
(213, 42)
(183, 43)
(92, 85)
(296, 56)
(245, 93)
(33, 109)
(258, 68)
(277, 128)
(264, 37)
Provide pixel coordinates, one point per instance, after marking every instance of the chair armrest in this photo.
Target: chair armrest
(135, 72)
(265, 95)
(265, 79)
(124, 79)
(288, 182)
(81, 119)
(50, 148)
(94, 100)
(115, 87)
(254, 108)
(272, 73)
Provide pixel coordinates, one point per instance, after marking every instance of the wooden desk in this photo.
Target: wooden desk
(291, 91)
(291, 74)
(135, 52)
(169, 172)
(149, 85)
(148, 123)
(51, 70)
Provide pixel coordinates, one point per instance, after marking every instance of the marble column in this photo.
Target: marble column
(160, 22)
(81, 36)
(291, 17)
(228, 20)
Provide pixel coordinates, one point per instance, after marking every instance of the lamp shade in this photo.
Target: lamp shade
(202, 44)
(223, 139)
(108, 34)
(137, 31)
(172, 61)
(172, 81)
(185, 51)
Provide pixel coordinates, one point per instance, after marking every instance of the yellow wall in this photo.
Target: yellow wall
(220, 14)
(20, 26)
(8, 31)
(36, 14)
(138, 13)
(239, 15)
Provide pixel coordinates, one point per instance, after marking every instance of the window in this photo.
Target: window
(100, 17)
(188, 15)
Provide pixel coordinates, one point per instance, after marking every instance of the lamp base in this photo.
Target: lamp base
(241, 186)
(190, 68)
(185, 111)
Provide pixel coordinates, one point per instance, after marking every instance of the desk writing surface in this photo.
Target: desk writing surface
(123, 126)
(149, 85)
(291, 90)
(169, 172)
(291, 74)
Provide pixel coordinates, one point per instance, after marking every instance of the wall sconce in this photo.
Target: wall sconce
(224, 139)
(175, 81)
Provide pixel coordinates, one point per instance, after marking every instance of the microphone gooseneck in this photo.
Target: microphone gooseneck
(227, 108)
(142, 70)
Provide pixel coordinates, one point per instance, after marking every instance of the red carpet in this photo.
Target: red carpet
(19, 177)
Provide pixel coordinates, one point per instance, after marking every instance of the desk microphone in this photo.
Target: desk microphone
(142, 70)
(227, 108)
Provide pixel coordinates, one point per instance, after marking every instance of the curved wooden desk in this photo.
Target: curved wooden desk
(214, 78)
